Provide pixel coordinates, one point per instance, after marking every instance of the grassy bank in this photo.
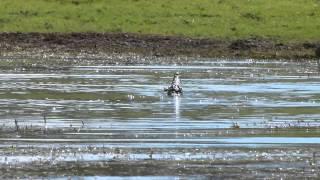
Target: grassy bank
(284, 20)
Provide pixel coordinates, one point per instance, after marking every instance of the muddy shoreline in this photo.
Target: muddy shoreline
(89, 44)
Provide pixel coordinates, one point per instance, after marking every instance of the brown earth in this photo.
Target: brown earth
(155, 45)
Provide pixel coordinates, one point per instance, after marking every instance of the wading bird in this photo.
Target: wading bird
(175, 88)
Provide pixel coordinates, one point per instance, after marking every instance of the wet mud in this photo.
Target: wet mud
(152, 45)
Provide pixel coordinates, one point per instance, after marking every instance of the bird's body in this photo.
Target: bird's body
(175, 88)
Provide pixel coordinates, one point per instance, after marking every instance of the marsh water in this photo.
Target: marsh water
(236, 118)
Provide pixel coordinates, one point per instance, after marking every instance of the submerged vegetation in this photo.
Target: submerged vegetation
(285, 20)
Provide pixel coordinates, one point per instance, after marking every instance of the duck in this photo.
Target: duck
(175, 88)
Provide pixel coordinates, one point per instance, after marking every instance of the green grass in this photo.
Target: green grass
(289, 20)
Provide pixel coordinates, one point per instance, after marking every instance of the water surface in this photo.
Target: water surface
(241, 117)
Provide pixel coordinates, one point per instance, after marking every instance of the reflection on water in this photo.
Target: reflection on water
(120, 114)
(177, 101)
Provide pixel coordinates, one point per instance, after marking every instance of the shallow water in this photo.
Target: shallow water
(116, 121)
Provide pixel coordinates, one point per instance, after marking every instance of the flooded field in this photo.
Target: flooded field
(237, 118)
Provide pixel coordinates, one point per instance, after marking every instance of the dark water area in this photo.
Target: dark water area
(239, 118)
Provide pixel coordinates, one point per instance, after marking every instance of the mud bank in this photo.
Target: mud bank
(89, 44)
